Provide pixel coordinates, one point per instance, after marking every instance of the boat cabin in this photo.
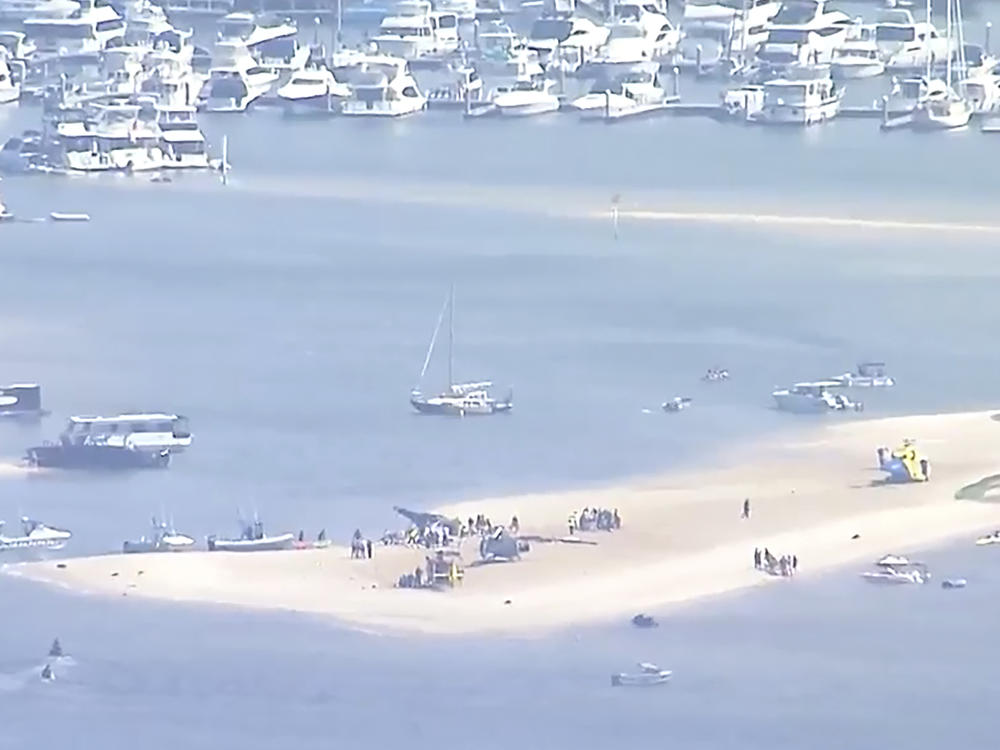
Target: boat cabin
(171, 429)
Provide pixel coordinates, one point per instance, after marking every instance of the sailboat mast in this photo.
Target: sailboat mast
(930, 55)
(451, 336)
(947, 27)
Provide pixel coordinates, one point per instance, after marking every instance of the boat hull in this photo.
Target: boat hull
(96, 457)
(429, 407)
(267, 544)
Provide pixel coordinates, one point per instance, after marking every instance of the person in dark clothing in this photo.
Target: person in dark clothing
(746, 509)
(756, 558)
(368, 548)
(795, 563)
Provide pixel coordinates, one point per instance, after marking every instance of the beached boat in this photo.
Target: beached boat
(36, 535)
(647, 676)
(460, 399)
(164, 538)
(993, 538)
(813, 398)
(868, 375)
(252, 539)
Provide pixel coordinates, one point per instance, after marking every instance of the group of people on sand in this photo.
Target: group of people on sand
(361, 548)
(594, 519)
(786, 565)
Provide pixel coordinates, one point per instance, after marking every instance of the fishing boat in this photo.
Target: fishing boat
(647, 676)
(36, 535)
(989, 539)
(164, 538)
(460, 399)
(252, 539)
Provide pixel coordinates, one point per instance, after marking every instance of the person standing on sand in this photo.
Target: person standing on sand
(746, 509)
(515, 525)
(368, 548)
(756, 558)
(572, 523)
(795, 563)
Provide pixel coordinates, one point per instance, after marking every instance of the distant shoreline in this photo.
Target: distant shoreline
(817, 495)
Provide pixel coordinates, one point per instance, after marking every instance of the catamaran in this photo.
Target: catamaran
(461, 398)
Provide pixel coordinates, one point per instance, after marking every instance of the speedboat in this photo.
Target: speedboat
(814, 398)
(676, 404)
(313, 91)
(954, 583)
(163, 539)
(35, 535)
(527, 97)
(856, 59)
(252, 539)
(897, 569)
(993, 538)
(868, 375)
(647, 676)
(636, 91)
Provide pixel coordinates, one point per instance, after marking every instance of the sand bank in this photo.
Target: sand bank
(682, 539)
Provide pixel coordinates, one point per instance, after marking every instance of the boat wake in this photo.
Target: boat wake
(841, 222)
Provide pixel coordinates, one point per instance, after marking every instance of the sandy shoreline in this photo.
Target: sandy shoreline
(682, 539)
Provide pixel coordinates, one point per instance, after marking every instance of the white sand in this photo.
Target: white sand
(682, 539)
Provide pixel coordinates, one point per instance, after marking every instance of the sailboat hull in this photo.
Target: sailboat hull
(449, 408)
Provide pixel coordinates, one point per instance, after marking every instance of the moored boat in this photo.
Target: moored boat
(252, 539)
(164, 538)
(21, 399)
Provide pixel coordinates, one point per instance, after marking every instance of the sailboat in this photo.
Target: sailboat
(946, 109)
(461, 398)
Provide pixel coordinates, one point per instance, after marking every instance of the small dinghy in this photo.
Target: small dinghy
(953, 583)
(647, 676)
(60, 216)
(48, 674)
(993, 538)
(252, 539)
(645, 621)
(677, 403)
(715, 375)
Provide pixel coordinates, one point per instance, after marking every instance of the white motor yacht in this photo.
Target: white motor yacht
(948, 112)
(867, 375)
(91, 29)
(18, 11)
(171, 77)
(121, 138)
(382, 86)
(253, 30)
(34, 535)
(183, 143)
(808, 97)
(856, 59)
(10, 90)
(417, 32)
(551, 34)
(718, 19)
(635, 92)
(236, 79)
(313, 91)
(527, 97)
(813, 398)
(924, 45)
